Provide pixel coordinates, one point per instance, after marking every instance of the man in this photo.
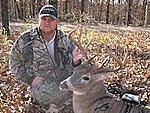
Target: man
(42, 57)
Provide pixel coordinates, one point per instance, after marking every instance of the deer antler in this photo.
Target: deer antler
(121, 63)
(114, 56)
(104, 62)
(77, 42)
(111, 54)
(87, 45)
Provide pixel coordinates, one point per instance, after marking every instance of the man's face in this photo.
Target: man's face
(48, 24)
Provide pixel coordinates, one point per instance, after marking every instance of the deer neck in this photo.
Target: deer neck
(85, 100)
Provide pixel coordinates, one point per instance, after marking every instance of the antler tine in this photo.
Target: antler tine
(71, 32)
(121, 63)
(102, 69)
(106, 59)
(89, 43)
(89, 60)
(114, 56)
(77, 43)
(126, 55)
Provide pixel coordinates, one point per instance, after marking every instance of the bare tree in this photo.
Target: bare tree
(53, 2)
(17, 8)
(128, 14)
(21, 9)
(60, 8)
(38, 6)
(135, 11)
(98, 3)
(5, 18)
(82, 6)
(101, 10)
(107, 12)
(118, 14)
(77, 5)
(33, 8)
(145, 12)
(66, 6)
(113, 10)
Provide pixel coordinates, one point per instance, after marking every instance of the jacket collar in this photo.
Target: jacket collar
(34, 32)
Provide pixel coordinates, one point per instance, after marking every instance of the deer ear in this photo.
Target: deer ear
(104, 75)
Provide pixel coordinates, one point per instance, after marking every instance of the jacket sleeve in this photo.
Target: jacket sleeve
(18, 64)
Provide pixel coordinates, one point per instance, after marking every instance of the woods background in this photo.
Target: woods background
(116, 12)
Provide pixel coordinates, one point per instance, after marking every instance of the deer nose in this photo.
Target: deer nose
(63, 85)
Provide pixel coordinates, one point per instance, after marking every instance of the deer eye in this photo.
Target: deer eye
(85, 79)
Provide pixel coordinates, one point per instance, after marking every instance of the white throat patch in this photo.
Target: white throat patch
(78, 93)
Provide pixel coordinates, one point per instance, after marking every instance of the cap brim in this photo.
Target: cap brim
(52, 16)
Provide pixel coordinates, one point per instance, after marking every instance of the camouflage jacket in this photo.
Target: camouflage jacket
(29, 57)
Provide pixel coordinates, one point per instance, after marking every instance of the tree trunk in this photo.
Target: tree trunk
(60, 9)
(136, 21)
(118, 14)
(21, 10)
(145, 11)
(18, 10)
(107, 12)
(77, 5)
(101, 10)
(128, 16)
(38, 6)
(73, 4)
(53, 2)
(82, 6)
(33, 8)
(66, 7)
(113, 10)
(145, 14)
(77, 10)
(5, 20)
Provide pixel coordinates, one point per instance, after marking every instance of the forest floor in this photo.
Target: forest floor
(108, 27)
(14, 26)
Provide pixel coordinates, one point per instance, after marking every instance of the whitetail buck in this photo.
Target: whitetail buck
(89, 92)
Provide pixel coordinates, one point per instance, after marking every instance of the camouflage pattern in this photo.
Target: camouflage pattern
(30, 58)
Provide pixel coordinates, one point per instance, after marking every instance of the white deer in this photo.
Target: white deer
(89, 92)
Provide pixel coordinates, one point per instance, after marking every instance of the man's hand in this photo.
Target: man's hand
(36, 80)
(77, 55)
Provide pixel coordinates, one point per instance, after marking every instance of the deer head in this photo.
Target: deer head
(85, 77)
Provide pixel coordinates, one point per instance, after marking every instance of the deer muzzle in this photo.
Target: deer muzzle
(66, 85)
(63, 86)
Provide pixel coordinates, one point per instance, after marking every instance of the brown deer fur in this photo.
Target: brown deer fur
(89, 92)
